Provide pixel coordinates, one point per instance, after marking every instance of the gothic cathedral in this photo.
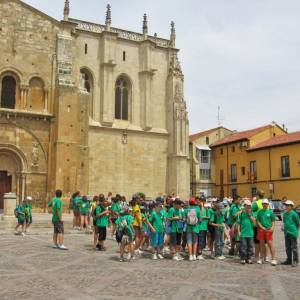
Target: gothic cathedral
(89, 107)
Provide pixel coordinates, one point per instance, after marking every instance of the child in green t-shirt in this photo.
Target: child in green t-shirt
(125, 233)
(20, 215)
(217, 220)
(245, 231)
(291, 223)
(84, 212)
(28, 212)
(102, 221)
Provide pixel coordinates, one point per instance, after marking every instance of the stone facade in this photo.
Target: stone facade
(94, 108)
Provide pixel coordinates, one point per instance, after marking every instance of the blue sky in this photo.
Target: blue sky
(241, 55)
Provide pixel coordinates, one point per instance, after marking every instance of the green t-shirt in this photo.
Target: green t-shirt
(77, 204)
(217, 218)
(21, 212)
(246, 225)
(144, 223)
(266, 218)
(29, 208)
(174, 212)
(157, 219)
(193, 228)
(85, 207)
(204, 212)
(234, 208)
(101, 221)
(57, 206)
(126, 221)
(116, 207)
(291, 223)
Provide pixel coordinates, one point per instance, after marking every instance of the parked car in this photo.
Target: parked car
(277, 208)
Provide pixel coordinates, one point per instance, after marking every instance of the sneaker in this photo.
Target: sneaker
(62, 247)
(194, 257)
(259, 261)
(160, 256)
(154, 256)
(243, 262)
(175, 257)
(273, 262)
(295, 264)
(121, 259)
(286, 263)
(249, 261)
(16, 232)
(129, 256)
(222, 257)
(200, 257)
(180, 257)
(23, 234)
(191, 258)
(267, 259)
(55, 246)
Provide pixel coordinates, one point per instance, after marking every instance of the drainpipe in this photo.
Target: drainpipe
(270, 171)
(228, 177)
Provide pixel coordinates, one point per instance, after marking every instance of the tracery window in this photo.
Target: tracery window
(122, 94)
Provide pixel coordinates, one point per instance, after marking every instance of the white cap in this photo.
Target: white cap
(265, 201)
(247, 202)
(207, 205)
(289, 202)
(29, 198)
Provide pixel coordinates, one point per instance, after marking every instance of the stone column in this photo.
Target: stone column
(10, 201)
(46, 100)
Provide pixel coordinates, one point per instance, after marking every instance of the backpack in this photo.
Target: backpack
(192, 218)
(16, 211)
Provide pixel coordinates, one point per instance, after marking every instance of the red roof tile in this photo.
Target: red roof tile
(285, 139)
(195, 136)
(239, 136)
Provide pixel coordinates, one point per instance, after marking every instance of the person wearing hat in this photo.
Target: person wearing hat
(246, 223)
(266, 225)
(291, 225)
(125, 232)
(256, 207)
(192, 217)
(28, 212)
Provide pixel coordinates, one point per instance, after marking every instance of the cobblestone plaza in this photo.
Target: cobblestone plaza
(31, 269)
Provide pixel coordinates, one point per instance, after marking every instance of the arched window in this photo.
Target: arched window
(36, 94)
(8, 92)
(87, 85)
(122, 94)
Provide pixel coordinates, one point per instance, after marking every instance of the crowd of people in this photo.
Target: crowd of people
(170, 227)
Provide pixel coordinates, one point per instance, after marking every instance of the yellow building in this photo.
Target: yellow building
(264, 158)
(201, 162)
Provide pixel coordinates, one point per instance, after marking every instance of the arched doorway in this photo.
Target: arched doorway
(12, 178)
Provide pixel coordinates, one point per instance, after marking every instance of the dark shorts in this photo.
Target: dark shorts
(176, 239)
(211, 230)
(58, 227)
(29, 220)
(102, 233)
(21, 222)
(94, 222)
(84, 214)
